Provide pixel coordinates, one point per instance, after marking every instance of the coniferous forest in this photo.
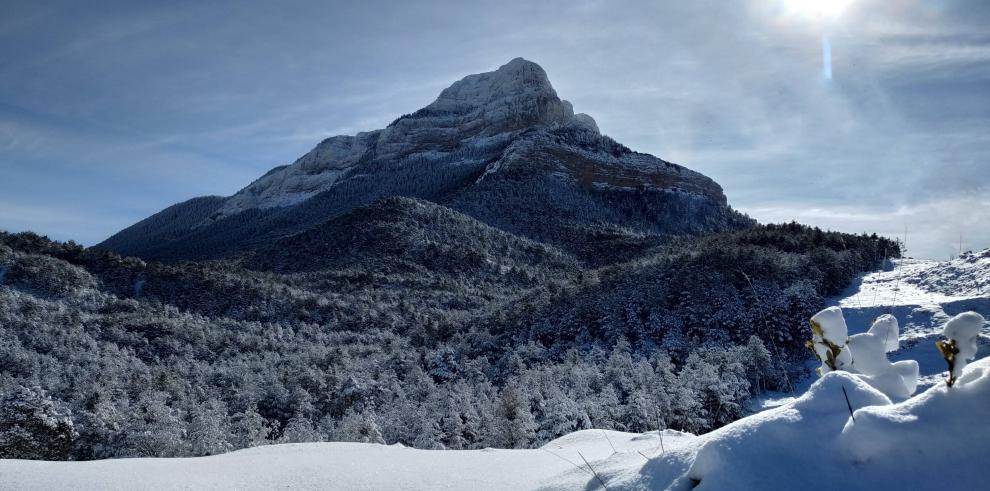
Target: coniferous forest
(404, 322)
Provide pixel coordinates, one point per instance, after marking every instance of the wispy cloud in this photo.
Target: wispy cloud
(155, 105)
(934, 228)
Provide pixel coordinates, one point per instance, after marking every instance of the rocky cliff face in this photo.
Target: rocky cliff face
(477, 111)
(499, 146)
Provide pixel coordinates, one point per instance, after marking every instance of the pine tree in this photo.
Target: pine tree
(759, 364)
(249, 429)
(640, 413)
(453, 430)
(559, 415)
(517, 427)
(155, 429)
(300, 429)
(209, 429)
(33, 427)
(358, 427)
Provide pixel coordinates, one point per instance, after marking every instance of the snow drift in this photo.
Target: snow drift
(933, 440)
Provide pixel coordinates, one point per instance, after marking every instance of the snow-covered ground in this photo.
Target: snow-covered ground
(937, 439)
(356, 466)
(922, 295)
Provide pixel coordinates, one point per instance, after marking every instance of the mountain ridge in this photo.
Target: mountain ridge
(499, 146)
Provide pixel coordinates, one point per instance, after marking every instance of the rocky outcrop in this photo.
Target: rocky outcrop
(477, 111)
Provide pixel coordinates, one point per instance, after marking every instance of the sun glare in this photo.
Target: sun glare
(817, 8)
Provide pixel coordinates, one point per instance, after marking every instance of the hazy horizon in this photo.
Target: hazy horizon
(109, 114)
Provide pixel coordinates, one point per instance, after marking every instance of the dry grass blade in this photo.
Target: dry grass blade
(593, 471)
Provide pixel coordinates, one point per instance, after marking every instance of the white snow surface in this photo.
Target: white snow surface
(922, 295)
(352, 466)
(938, 439)
(869, 358)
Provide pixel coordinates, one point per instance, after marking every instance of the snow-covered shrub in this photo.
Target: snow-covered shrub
(863, 354)
(829, 335)
(32, 427)
(869, 354)
(45, 275)
(959, 347)
(249, 429)
(300, 430)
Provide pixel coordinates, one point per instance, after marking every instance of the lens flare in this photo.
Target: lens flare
(826, 58)
(816, 8)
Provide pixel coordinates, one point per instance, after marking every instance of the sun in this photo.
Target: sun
(828, 9)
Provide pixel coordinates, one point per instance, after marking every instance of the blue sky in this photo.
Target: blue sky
(110, 111)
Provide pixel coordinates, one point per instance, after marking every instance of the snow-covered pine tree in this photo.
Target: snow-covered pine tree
(209, 429)
(100, 424)
(640, 412)
(249, 429)
(452, 429)
(517, 427)
(32, 426)
(155, 429)
(759, 365)
(559, 415)
(358, 427)
(300, 429)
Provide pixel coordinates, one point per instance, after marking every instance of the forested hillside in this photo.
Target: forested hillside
(432, 330)
(488, 271)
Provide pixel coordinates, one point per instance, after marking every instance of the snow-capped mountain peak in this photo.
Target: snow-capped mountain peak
(499, 146)
(477, 109)
(516, 78)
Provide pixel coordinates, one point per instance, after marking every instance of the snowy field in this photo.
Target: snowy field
(922, 295)
(937, 439)
(356, 466)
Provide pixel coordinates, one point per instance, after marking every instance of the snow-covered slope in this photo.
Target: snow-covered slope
(347, 466)
(935, 440)
(922, 295)
(966, 276)
(316, 171)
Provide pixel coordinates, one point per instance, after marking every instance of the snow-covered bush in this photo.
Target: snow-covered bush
(863, 354)
(869, 354)
(828, 340)
(959, 347)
